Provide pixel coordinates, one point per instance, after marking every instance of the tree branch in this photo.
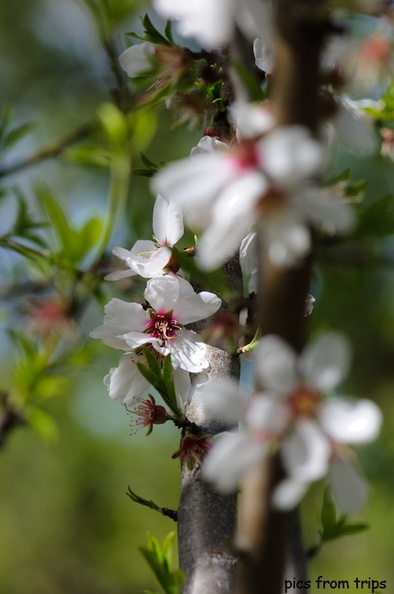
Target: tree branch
(48, 151)
(206, 518)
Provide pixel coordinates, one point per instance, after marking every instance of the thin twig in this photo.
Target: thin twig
(49, 150)
(164, 511)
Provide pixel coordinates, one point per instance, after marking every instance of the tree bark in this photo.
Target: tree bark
(206, 517)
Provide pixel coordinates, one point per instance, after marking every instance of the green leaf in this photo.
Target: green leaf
(88, 155)
(377, 220)
(168, 31)
(17, 133)
(43, 424)
(161, 379)
(159, 560)
(250, 81)
(56, 216)
(334, 527)
(328, 512)
(148, 163)
(152, 34)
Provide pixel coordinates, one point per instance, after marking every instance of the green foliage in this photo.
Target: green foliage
(376, 220)
(383, 110)
(23, 233)
(152, 35)
(353, 190)
(254, 87)
(159, 375)
(335, 527)
(11, 134)
(73, 245)
(44, 368)
(159, 559)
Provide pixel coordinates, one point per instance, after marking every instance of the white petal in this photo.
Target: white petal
(210, 22)
(135, 59)
(248, 260)
(196, 307)
(325, 209)
(354, 127)
(125, 381)
(231, 456)
(194, 184)
(138, 257)
(276, 365)
(120, 317)
(167, 222)
(266, 414)
(222, 400)
(288, 239)
(263, 56)
(325, 362)
(119, 274)
(288, 494)
(207, 144)
(137, 339)
(306, 452)
(252, 119)
(162, 293)
(156, 263)
(349, 490)
(187, 352)
(182, 385)
(351, 422)
(232, 215)
(290, 155)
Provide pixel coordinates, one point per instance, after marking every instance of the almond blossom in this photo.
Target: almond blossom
(153, 258)
(267, 181)
(292, 414)
(171, 303)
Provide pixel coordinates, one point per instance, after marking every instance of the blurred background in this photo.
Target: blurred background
(66, 522)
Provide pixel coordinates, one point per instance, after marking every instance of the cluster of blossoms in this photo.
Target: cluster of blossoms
(159, 322)
(264, 186)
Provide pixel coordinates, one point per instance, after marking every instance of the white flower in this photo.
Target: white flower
(225, 190)
(137, 59)
(212, 22)
(320, 426)
(313, 433)
(173, 303)
(148, 258)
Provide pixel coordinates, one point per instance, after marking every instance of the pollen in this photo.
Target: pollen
(162, 326)
(305, 402)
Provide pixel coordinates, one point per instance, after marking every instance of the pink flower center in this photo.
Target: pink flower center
(376, 49)
(305, 402)
(244, 157)
(162, 326)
